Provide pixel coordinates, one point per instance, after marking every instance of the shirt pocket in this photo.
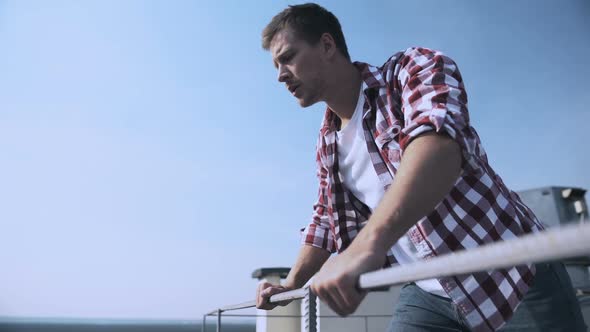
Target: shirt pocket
(388, 143)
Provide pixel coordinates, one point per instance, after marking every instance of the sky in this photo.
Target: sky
(150, 161)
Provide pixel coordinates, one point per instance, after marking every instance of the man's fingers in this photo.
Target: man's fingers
(270, 291)
(351, 296)
(340, 304)
(332, 302)
(284, 303)
(261, 287)
(351, 299)
(265, 291)
(321, 291)
(340, 295)
(262, 297)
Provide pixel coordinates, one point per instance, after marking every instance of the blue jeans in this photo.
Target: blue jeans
(549, 305)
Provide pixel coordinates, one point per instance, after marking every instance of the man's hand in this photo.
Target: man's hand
(336, 283)
(263, 293)
(309, 261)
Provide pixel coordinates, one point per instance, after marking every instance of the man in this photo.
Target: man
(403, 176)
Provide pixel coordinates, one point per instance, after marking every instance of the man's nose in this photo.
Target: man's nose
(284, 74)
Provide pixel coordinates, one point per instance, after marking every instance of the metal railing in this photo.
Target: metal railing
(365, 318)
(548, 245)
(297, 294)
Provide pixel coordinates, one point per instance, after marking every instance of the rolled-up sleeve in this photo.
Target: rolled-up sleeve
(318, 232)
(433, 97)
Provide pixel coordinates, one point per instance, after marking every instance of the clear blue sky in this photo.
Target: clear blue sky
(150, 161)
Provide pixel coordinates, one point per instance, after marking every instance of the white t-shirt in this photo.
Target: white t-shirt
(361, 179)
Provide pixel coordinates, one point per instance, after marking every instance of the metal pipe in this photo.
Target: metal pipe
(313, 310)
(554, 244)
(218, 320)
(295, 294)
(243, 305)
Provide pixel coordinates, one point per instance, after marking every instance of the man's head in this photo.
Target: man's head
(309, 22)
(305, 41)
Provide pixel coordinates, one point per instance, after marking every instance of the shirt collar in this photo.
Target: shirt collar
(372, 79)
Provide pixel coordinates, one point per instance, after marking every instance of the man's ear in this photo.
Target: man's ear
(328, 46)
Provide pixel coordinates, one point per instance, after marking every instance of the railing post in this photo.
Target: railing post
(204, 326)
(218, 320)
(309, 312)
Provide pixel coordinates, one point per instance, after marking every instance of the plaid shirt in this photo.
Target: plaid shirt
(414, 92)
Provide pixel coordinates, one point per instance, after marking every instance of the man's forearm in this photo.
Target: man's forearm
(309, 261)
(429, 168)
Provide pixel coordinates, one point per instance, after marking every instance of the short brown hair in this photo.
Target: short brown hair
(309, 21)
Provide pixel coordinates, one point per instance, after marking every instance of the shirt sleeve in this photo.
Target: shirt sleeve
(433, 97)
(318, 232)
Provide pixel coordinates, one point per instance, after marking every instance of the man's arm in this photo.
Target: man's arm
(430, 166)
(309, 261)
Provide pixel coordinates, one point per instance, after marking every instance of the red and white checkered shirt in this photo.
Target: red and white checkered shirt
(417, 91)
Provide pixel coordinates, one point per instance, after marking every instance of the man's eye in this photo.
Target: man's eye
(288, 57)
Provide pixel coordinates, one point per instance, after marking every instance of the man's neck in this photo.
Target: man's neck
(344, 92)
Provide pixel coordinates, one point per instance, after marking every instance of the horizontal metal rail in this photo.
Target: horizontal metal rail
(548, 245)
(298, 316)
(295, 294)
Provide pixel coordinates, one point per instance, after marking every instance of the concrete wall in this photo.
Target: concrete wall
(375, 304)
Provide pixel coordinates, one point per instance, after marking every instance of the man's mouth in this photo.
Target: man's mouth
(293, 89)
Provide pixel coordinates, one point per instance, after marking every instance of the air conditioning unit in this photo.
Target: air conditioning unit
(556, 206)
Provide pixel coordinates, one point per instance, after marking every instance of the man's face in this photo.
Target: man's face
(299, 65)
